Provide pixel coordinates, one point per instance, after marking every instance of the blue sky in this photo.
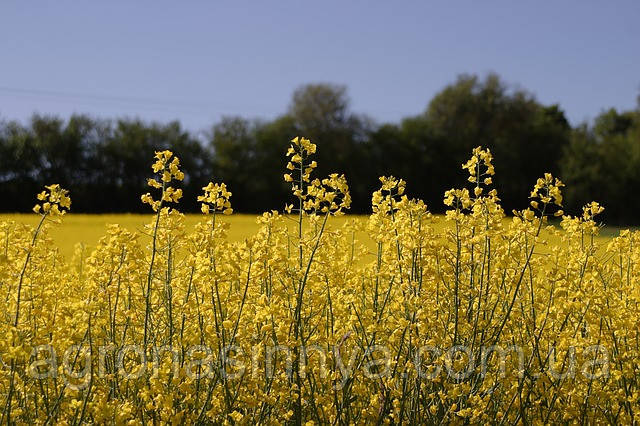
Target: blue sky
(197, 61)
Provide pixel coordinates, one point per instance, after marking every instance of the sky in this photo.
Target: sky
(197, 61)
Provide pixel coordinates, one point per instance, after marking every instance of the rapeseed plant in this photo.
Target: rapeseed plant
(486, 321)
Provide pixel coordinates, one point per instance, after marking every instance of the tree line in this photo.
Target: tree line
(105, 163)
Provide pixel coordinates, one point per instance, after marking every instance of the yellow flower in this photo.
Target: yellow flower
(236, 416)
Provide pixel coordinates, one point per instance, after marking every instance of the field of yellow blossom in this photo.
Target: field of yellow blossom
(81, 232)
(308, 316)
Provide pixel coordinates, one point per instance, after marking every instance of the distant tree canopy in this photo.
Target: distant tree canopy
(526, 138)
(602, 162)
(105, 163)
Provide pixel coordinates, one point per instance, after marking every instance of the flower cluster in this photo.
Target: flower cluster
(480, 168)
(299, 152)
(53, 201)
(331, 195)
(546, 192)
(216, 198)
(327, 196)
(166, 167)
(391, 192)
(591, 210)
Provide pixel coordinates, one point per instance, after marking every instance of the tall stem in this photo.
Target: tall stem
(147, 312)
(17, 316)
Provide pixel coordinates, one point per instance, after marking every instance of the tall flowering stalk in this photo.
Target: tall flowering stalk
(167, 169)
(53, 203)
(329, 196)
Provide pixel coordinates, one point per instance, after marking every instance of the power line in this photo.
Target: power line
(139, 101)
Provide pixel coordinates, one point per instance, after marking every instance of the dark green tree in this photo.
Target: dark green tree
(602, 163)
(322, 113)
(526, 138)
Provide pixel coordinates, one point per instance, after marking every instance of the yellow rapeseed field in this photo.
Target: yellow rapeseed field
(86, 229)
(83, 231)
(308, 316)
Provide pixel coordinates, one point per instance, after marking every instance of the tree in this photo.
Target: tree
(526, 138)
(249, 158)
(19, 179)
(234, 143)
(602, 163)
(320, 107)
(322, 113)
